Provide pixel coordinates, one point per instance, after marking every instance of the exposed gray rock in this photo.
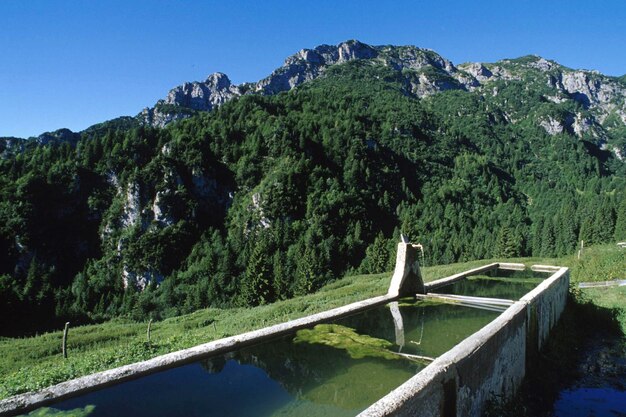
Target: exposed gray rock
(501, 73)
(257, 207)
(214, 91)
(423, 86)
(543, 64)
(139, 280)
(411, 57)
(132, 206)
(556, 99)
(157, 117)
(552, 126)
(590, 90)
(160, 211)
(309, 64)
(581, 124)
(478, 71)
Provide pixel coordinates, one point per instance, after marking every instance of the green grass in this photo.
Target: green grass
(33, 363)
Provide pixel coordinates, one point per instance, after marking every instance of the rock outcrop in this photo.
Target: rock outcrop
(58, 136)
(10, 145)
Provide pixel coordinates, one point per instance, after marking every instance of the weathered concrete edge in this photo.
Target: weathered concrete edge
(544, 268)
(511, 266)
(548, 301)
(22, 403)
(552, 280)
(394, 403)
(429, 382)
(433, 285)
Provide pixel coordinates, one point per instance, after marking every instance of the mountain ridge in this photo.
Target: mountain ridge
(601, 98)
(425, 72)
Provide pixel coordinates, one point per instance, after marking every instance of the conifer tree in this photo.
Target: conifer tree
(620, 224)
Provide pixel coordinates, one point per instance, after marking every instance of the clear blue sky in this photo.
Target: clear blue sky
(75, 63)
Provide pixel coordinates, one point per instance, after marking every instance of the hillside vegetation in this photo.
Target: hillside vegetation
(269, 197)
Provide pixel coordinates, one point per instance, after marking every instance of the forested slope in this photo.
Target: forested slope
(271, 196)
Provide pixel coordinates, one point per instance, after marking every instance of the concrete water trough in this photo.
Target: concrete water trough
(454, 379)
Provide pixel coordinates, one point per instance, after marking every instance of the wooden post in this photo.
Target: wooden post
(67, 326)
(149, 328)
(580, 251)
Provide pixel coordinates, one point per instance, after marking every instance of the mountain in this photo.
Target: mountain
(424, 73)
(267, 190)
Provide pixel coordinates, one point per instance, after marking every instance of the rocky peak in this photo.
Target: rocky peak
(411, 57)
(309, 64)
(589, 89)
(218, 81)
(477, 70)
(543, 64)
(182, 101)
(58, 136)
(203, 96)
(350, 50)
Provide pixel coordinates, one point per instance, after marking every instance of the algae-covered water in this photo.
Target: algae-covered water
(333, 369)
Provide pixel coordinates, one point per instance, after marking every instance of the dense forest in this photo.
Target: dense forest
(267, 197)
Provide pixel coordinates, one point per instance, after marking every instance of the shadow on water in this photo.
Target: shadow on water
(580, 372)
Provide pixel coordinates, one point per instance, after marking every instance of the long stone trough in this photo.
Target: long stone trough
(491, 362)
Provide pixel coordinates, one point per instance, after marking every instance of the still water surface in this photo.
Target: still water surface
(335, 369)
(298, 375)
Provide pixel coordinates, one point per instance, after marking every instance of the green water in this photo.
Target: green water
(499, 283)
(337, 369)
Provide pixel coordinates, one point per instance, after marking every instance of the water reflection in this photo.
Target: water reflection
(498, 283)
(305, 374)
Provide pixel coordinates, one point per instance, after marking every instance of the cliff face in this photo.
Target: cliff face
(182, 101)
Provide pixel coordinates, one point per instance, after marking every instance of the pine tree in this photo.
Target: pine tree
(547, 239)
(604, 222)
(566, 233)
(506, 244)
(376, 256)
(620, 223)
(258, 286)
(536, 232)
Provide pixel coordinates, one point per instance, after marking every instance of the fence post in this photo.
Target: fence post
(67, 326)
(149, 328)
(582, 247)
